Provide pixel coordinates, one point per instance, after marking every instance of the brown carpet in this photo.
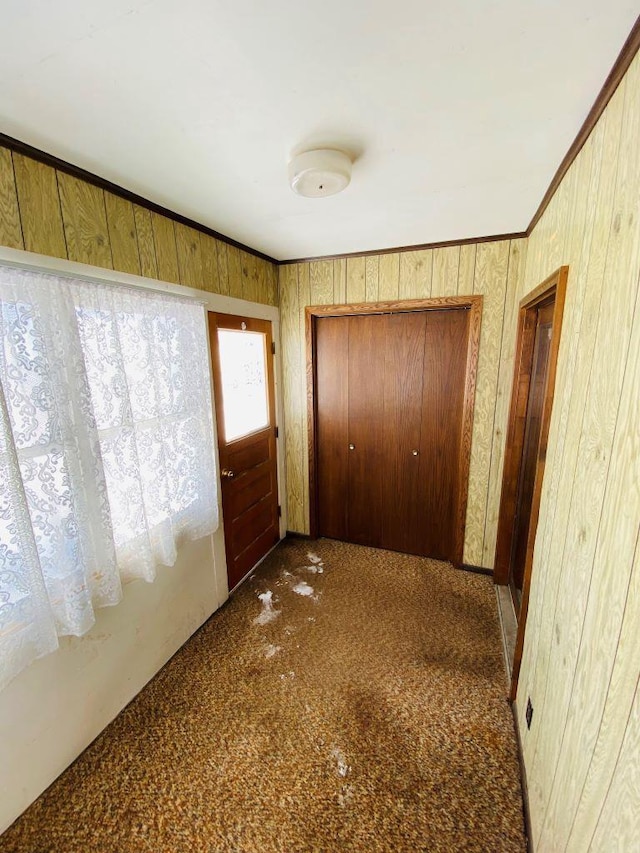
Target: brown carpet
(369, 714)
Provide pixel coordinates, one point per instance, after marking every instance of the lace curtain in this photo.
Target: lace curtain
(106, 449)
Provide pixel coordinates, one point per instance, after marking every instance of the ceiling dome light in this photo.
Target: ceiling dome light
(321, 172)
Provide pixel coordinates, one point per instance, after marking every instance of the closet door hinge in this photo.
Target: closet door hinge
(276, 432)
(279, 511)
(273, 347)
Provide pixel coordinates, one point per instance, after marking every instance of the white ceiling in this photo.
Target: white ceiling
(459, 112)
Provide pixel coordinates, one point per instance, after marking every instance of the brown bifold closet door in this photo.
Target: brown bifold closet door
(401, 426)
(390, 402)
(365, 435)
(444, 377)
(332, 388)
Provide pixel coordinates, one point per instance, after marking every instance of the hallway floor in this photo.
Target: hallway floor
(345, 699)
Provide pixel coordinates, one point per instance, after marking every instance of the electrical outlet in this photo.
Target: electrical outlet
(529, 713)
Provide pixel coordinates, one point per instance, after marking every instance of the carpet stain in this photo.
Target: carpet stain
(368, 715)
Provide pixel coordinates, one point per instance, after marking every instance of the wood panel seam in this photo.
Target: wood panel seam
(584, 408)
(15, 184)
(610, 783)
(64, 230)
(596, 539)
(495, 396)
(106, 219)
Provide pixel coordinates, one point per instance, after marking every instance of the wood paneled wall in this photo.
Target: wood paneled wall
(52, 213)
(581, 659)
(493, 269)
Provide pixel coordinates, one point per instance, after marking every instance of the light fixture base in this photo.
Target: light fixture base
(320, 172)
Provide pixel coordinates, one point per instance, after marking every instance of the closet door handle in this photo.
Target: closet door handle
(352, 447)
(415, 453)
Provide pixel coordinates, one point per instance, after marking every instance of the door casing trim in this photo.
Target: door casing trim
(554, 286)
(472, 303)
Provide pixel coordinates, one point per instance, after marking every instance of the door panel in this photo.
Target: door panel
(252, 554)
(257, 517)
(250, 452)
(445, 355)
(533, 428)
(241, 350)
(390, 392)
(403, 349)
(256, 483)
(332, 347)
(366, 434)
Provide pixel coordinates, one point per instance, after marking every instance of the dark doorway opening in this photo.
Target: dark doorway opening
(539, 328)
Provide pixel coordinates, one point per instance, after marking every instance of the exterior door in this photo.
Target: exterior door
(390, 392)
(242, 355)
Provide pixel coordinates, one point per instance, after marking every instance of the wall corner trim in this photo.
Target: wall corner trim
(619, 69)
(523, 778)
(67, 168)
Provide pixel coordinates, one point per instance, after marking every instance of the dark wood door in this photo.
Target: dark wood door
(401, 427)
(530, 451)
(365, 437)
(443, 394)
(390, 394)
(332, 383)
(241, 350)
(536, 358)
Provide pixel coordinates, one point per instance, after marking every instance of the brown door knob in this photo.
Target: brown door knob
(227, 473)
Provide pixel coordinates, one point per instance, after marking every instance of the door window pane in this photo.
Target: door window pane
(244, 382)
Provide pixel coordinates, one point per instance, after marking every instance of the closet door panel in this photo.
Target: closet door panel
(367, 453)
(445, 355)
(390, 403)
(332, 389)
(403, 372)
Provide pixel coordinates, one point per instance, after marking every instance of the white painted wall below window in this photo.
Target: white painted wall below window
(59, 704)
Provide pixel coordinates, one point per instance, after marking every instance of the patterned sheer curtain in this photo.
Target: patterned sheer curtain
(106, 449)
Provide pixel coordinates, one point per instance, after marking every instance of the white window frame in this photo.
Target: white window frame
(213, 302)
